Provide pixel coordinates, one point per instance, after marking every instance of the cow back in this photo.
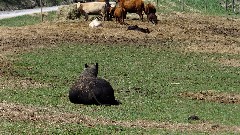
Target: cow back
(132, 6)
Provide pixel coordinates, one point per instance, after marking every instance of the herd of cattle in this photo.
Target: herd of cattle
(118, 9)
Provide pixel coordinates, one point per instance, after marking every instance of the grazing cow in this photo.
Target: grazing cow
(135, 27)
(133, 6)
(94, 8)
(152, 18)
(90, 89)
(150, 11)
(149, 8)
(119, 14)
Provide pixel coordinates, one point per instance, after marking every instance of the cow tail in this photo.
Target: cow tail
(122, 14)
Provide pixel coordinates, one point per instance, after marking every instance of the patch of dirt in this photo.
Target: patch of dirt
(229, 62)
(17, 112)
(4, 64)
(213, 96)
(17, 83)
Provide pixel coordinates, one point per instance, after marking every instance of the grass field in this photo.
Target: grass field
(27, 20)
(199, 6)
(147, 81)
(160, 85)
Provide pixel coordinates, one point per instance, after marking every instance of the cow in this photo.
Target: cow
(150, 11)
(149, 8)
(89, 89)
(107, 8)
(94, 8)
(133, 6)
(119, 13)
(151, 17)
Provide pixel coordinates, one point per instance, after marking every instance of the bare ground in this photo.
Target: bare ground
(193, 33)
(20, 83)
(213, 96)
(229, 62)
(200, 33)
(17, 112)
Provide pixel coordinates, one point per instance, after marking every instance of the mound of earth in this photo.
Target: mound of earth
(213, 96)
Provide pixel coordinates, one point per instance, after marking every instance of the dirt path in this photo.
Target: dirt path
(16, 112)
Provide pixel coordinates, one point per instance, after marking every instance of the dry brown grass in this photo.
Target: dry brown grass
(229, 62)
(21, 84)
(17, 112)
(213, 96)
(198, 33)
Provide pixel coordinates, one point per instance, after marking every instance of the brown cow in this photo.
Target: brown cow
(150, 8)
(119, 14)
(133, 6)
(150, 11)
(152, 18)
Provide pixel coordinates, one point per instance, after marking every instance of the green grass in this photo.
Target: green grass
(142, 78)
(26, 20)
(200, 6)
(46, 128)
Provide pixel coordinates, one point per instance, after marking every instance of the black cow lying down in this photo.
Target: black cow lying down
(90, 89)
(135, 27)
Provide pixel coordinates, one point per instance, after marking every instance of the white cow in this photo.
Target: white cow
(94, 8)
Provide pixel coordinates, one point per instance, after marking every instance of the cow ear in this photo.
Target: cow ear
(86, 66)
